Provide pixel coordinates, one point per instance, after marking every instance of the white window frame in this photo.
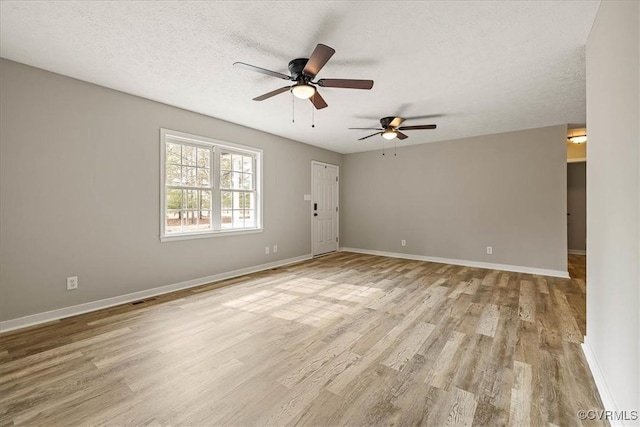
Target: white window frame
(167, 135)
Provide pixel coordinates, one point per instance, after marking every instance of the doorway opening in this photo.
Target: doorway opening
(577, 208)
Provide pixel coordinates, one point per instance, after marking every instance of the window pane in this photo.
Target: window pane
(204, 222)
(191, 199)
(174, 199)
(225, 179)
(247, 164)
(247, 181)
(236, 162)
(203, 177)
(189, 176)
(225, 219)
(173, 222)
(205, 200)
(236, 180)
(203, 157)
(190, 221)
(173, 153)
(188, 155)
(225, 161)
(249, 201)
(237, 198)
(226, 199)
(173, 175)
(249, 218)
(238, 219)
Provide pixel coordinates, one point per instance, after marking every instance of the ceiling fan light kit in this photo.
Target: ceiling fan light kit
(303, 90)
(389, 134)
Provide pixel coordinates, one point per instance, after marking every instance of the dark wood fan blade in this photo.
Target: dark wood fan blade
(396, 122)
(346, 83)
(255, 69)
(318, 58)
(373, 134)
(272, 93)
(401, 135)
(417, 127)
(318, 101)
(367, 128)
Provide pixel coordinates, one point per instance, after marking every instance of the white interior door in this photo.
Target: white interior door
(324, 200)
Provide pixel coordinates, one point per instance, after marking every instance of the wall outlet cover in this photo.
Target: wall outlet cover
(72, 283)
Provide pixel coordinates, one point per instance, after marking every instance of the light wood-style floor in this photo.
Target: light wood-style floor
(346, 339)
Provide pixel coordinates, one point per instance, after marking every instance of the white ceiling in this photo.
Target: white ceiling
(476, 67)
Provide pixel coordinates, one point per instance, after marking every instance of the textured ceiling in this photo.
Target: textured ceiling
(474, 67)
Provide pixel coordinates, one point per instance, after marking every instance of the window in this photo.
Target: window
(209, 187)
(237, 190)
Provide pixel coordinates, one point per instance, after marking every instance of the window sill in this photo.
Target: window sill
(177, 237)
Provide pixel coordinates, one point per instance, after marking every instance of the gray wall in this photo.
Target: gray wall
(452, 199)
(613, 200)
(577, 206)
(79, 177)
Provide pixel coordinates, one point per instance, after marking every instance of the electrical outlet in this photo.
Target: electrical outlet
(266, 250)
(403, 242)
(489, 250)
(275, 248)
(72, 283)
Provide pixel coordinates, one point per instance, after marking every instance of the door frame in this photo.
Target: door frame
(313, 163)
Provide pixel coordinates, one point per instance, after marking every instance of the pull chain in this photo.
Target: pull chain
(394, 146)
(383, 146)
(293, 108)
(313, 107)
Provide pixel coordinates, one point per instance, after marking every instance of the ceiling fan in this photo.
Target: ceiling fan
(391, 128)
(303, 71)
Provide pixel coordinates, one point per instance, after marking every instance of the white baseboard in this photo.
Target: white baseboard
(601, 383)
(48, 316)
(577, 252)
(477, 264)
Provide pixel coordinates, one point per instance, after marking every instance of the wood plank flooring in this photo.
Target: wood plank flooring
(345, 339)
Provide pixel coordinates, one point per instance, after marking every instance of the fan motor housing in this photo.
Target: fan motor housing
(385, 121)
(295, 68)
